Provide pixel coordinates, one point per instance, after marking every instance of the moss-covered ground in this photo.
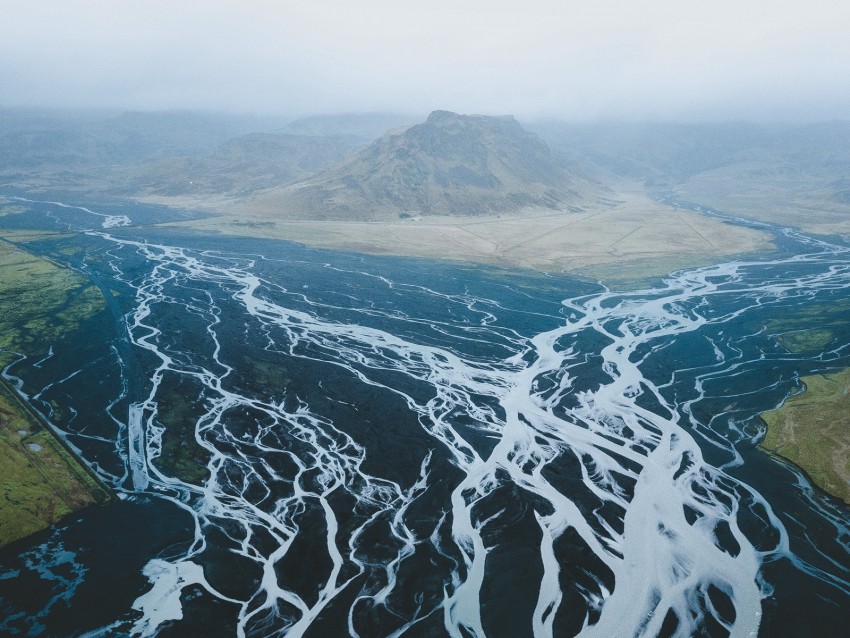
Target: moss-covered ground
(180, 407)
(40, 480)
(811, 329)
(40, 303)
(812, 430)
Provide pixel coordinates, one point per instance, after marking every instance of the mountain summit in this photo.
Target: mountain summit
(450, 164)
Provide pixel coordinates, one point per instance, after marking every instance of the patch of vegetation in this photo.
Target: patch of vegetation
(40, 302)
(811, 329)
(40, 480)
(181, 455)
(806, 340)
(812, 430)
(180, 405)
(24, 236)
(268, 374)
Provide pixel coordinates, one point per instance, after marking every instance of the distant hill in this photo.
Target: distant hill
(243, 165)
(74, 139)
(350, 166)
(676, 152)
(795, 174)
(105, 150)
(450, 164)
(175, 153)
(368, 126)
(262, 160)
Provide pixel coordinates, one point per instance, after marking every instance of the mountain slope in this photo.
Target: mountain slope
(450, 164)
(243, 165)
(791, 173)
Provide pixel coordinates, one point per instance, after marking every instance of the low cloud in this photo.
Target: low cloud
(578, 60)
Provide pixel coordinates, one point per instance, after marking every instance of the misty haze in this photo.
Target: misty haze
(372, 320)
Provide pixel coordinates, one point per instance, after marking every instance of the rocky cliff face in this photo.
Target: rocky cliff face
(450, 164)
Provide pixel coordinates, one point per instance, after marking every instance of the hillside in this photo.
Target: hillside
(242, 165)
(795, 174)
(261, 160)
(106, 151)
(451, 165)
(310, 168)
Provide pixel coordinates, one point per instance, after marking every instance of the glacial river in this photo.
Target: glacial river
(308, 443)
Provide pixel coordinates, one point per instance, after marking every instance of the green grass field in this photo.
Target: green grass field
(40, 302)
(40, 479)
(812, 430)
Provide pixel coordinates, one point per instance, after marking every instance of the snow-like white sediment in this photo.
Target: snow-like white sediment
(662, 564)
(109, 221)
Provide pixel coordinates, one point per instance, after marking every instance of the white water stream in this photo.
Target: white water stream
(663, 539)
(662, 561)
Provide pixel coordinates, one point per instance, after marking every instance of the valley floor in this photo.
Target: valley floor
(631, 239)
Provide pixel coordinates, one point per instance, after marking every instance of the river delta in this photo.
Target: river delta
(305, 442)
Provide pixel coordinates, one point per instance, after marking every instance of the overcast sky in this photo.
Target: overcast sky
(608, 59)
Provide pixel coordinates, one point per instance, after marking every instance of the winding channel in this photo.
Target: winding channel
(580, 448)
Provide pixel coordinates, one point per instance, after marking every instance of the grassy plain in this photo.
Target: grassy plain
(40, 303)
(629, 239)
(41, 480)
(812, 430)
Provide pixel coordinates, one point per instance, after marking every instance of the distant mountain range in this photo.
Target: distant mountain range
(40, 139)
(367, 126)
(256, 161)
(757, 170)
(378, 166)
(243, 165)
(451, 164)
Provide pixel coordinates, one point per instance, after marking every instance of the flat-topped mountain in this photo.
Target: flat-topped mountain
(450, 164)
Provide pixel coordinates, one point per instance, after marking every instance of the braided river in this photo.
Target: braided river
(311, 443)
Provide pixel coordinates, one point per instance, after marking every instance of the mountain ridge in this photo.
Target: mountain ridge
(450, 164)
